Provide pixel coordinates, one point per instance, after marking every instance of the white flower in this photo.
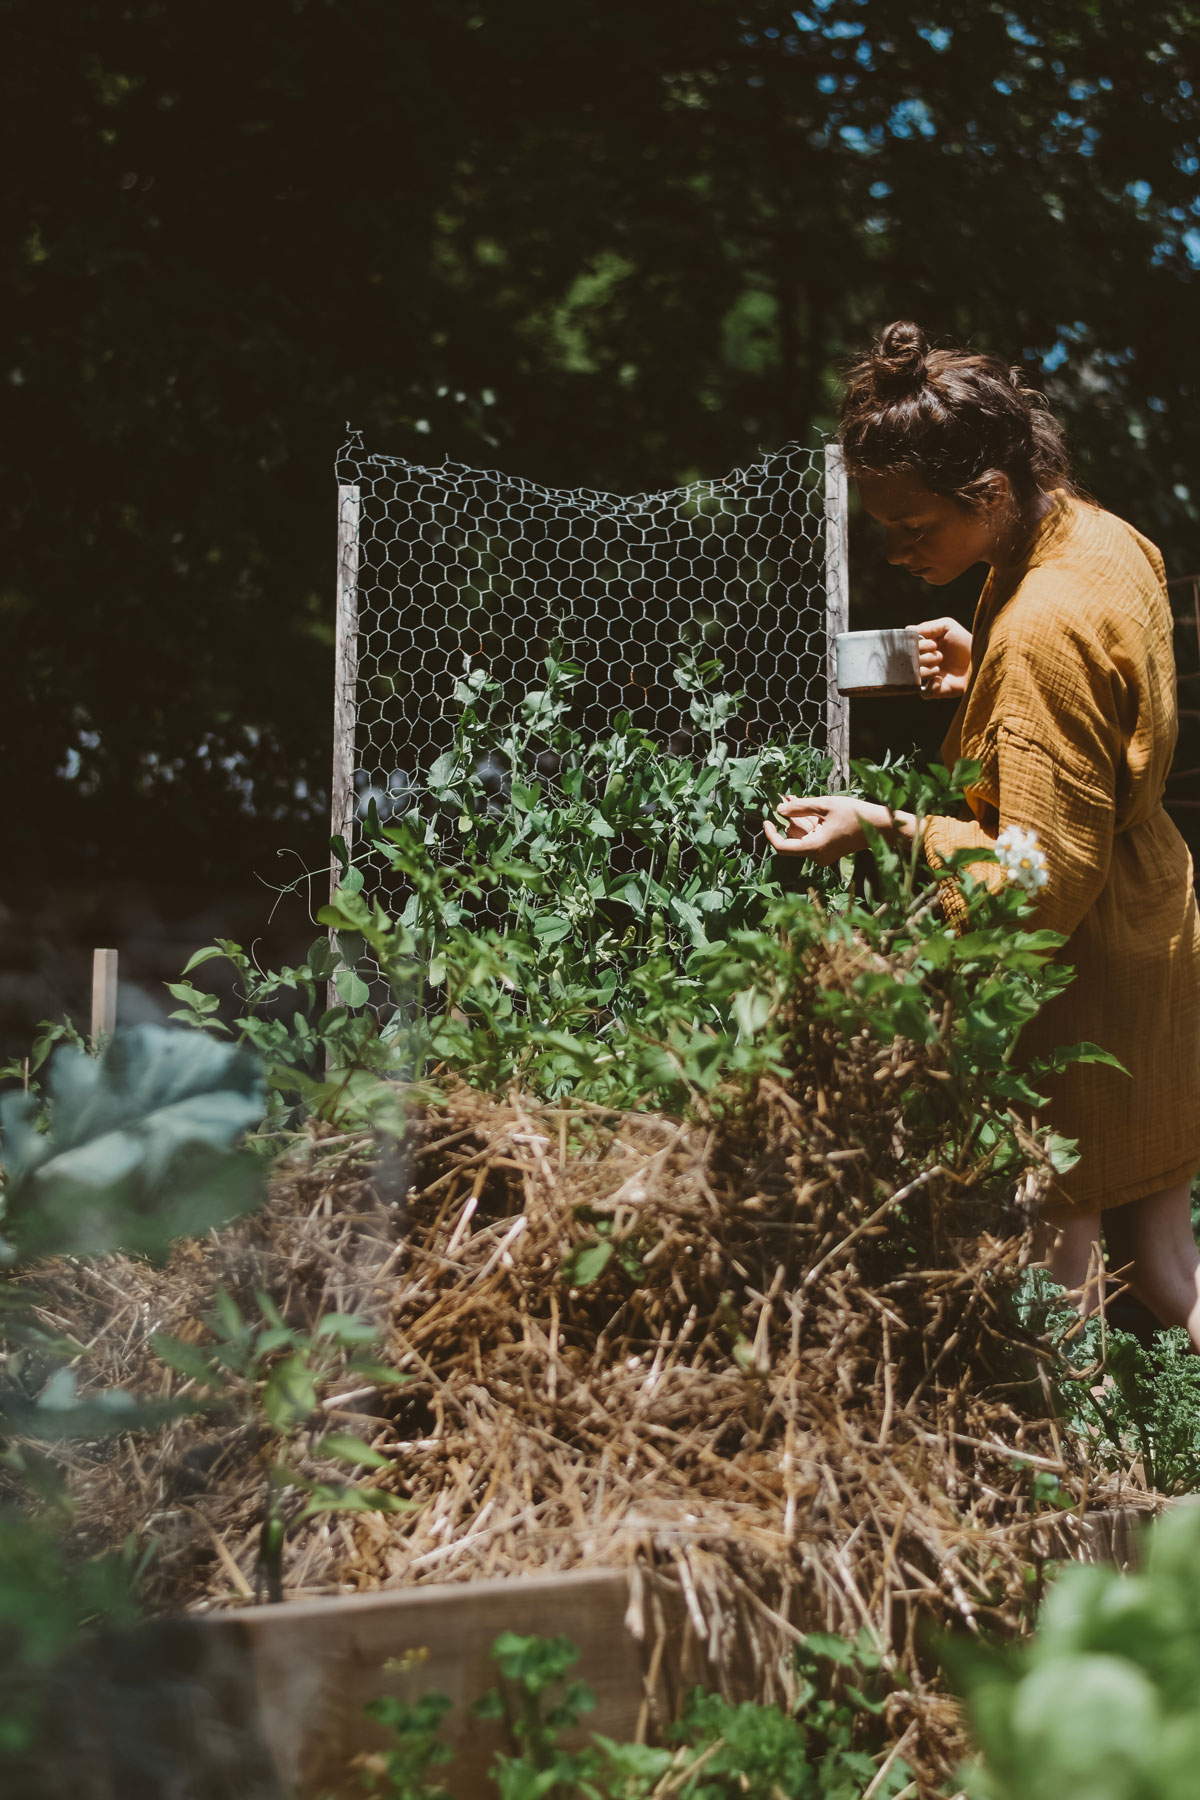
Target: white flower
(1022, 859)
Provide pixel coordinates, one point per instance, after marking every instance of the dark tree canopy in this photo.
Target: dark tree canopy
(607, 245)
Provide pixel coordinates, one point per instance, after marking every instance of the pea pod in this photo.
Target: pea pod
(615, 785)
(658, 932)
(673, 860)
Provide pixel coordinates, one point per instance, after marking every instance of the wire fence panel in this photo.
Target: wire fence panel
(450, 566)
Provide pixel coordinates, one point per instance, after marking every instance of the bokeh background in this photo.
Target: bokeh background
(616, 246)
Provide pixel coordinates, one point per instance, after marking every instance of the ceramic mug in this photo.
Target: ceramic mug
(879, 662)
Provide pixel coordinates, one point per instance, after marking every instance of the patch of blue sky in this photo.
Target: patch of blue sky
(911, 118)
(836, 30)
(1191, 246)
(1088, 137)
(937, 36)
(827, 84)
(864, 142)
(1066, 340)
(1139, 191)
(1001, 86)
(1020, 33)
(879, 190)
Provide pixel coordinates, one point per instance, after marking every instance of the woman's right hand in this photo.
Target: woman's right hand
(945, 658)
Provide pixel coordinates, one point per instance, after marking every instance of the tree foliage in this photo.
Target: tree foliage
(607, 245)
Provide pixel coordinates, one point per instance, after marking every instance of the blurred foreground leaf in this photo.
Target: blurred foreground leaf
(137, 1149)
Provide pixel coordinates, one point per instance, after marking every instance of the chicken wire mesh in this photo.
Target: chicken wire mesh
(445, 566)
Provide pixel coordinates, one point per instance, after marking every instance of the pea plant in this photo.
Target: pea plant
(558, 888)
(600, 918)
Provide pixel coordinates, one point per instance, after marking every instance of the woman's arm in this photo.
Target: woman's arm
(827, 827)
(1072, 810)
(830, 826)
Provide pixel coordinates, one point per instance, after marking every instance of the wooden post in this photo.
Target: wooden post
(104, 996)
(345, 681)
(837, 611)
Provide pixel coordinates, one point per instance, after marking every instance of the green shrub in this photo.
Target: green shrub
(1119, 1398)
(826, 1748)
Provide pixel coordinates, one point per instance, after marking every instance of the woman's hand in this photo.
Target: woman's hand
(945, 658)
(830, 826)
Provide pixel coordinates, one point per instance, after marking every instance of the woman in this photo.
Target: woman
(1066, 691)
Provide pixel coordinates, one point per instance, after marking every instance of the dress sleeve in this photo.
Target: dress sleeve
(1050, 760)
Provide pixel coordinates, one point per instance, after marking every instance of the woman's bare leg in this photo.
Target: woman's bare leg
(1152, 1244)
(1072, 1252)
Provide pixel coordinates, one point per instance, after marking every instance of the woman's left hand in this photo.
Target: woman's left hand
(823, 826)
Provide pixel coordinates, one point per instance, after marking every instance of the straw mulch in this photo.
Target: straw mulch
(807, 1409)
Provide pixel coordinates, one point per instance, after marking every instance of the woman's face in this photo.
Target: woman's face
(934, 537)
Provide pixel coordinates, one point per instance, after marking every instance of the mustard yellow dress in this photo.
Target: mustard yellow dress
(1071, 711)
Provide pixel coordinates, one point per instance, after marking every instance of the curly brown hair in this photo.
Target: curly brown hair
(951, 418)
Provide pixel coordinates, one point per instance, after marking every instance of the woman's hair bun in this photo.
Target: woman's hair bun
(949, 418)
(898, 358)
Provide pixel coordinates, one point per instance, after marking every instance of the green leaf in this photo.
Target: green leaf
(269, 1310)
(322, 959)
(833, 1649)
(346, 1328)
(378, 1372)
(1063, 1152)
(350, 1449)
(186, 1359)
(290, 1396)
(751, 1010)
(351, 987)
(551, 928)
(587, 1263)
(191, 996)
(275, 1337)
(60, 1413)
(141, 1145)
(209, 954)
(1068, 1055)
(229, 1320)
(328, 1496)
